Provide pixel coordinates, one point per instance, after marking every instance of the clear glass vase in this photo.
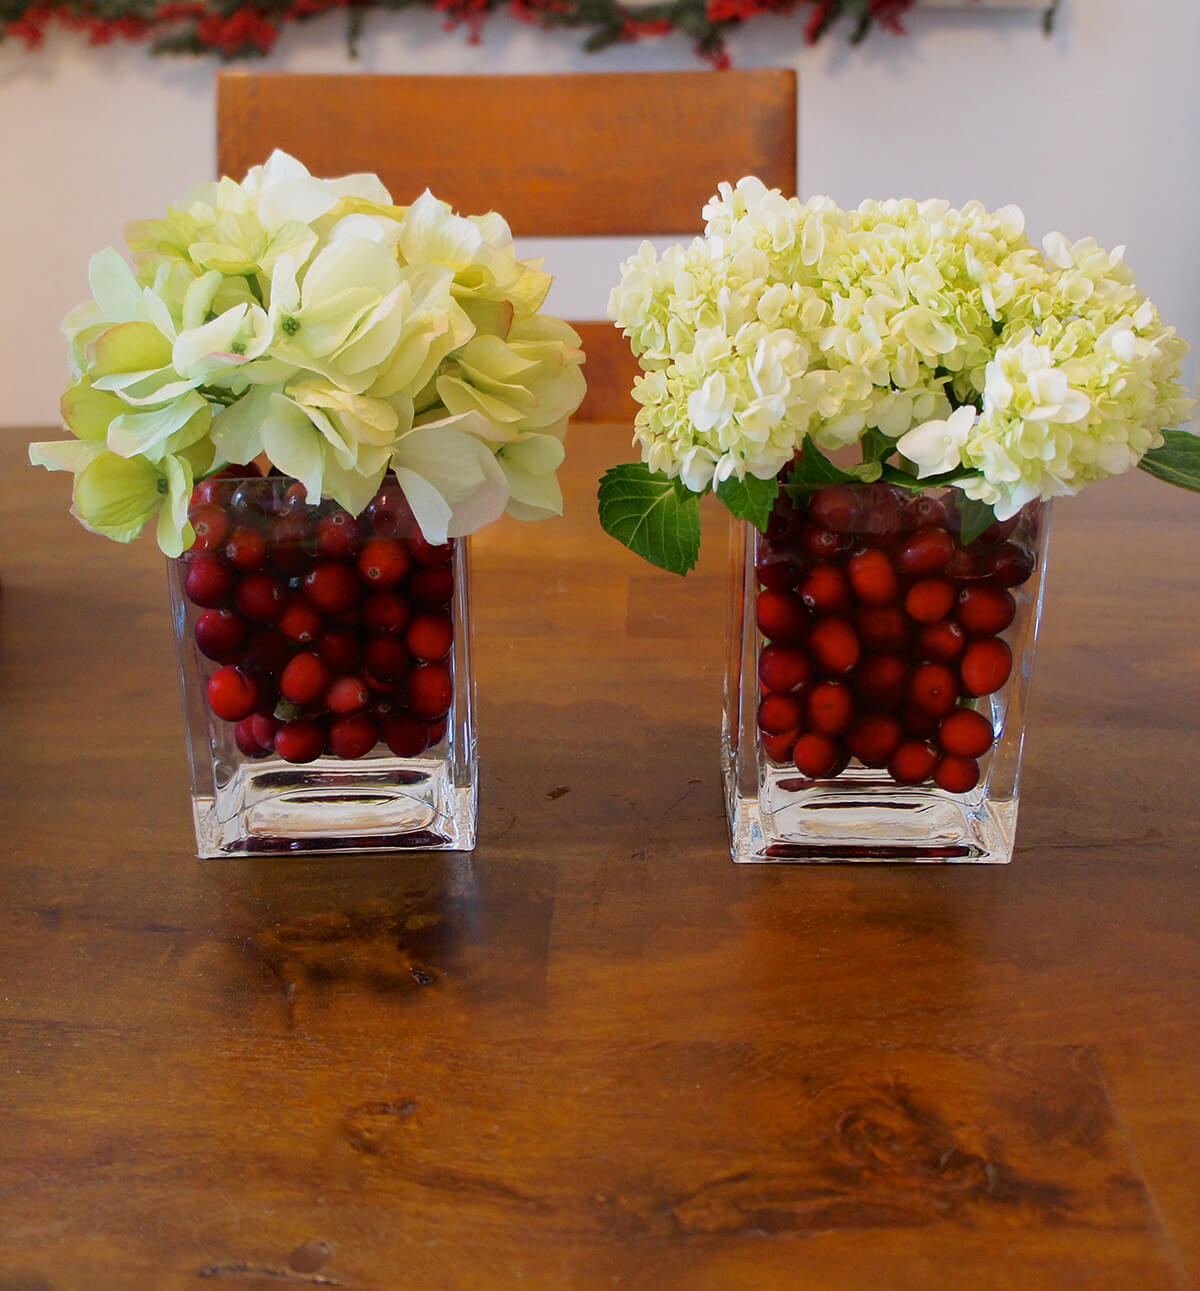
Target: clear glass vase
(878, 677)
(326, 670)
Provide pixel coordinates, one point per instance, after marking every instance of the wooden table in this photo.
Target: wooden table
(596, 1054)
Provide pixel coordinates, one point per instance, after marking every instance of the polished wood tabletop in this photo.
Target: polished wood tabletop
(595, 1053)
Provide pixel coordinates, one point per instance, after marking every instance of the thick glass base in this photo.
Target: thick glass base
(386, 805)
(864, 816)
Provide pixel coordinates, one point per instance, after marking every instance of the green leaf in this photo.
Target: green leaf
(976, 517)
(814, 471)
(876, 446)
(655, 517)
(1177, 461)
(750, 499)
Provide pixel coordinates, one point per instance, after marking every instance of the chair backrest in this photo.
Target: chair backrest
(613, 154)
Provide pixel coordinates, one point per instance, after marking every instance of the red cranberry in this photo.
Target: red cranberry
(220, 634)
(837, 507)
(208, 582)
(816, 756)
(304, 679)
(882, 681)
(781, 617)
(882, 627)
(966, 733)
(924, 510)
(383, 562)
(929, 599)
(933, 688)
(956, 775)
(834, 646)
(430, 691)
(779, 713)
(352, 736)
(432, 585)
(213, 491)
(264, 726)
(347, 695)
(918, 723)
(779, 747)
(340, 648)
(429, 637)
(245, 549)
(882, 514)
(386, 612)
(338, 536)
(405, 735)
(983, 610)
(210, 525)
(437, 730)
(300, 740)
(388, 514)
(266, 654)
(289, 542)
(253, 501)
(874, 738)
(872, 577)
(927, 552)
(300, 621)
(826, 590)
(912, 762)
(784, 668)
(247, 741)
(830, 707)
(231, 694)
(942, 642)
(1009, 565)
(332, 587)
(773, 571)
(427, 553)
(260, 597)
(386, 659)
(823, 544)
(964, 566)
(999, 530)
(985, 665)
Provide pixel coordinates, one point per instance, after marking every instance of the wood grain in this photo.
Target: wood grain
(595, 1053)
(586, 154)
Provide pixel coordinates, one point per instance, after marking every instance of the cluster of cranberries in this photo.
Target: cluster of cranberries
(330, 633)
(881, 628)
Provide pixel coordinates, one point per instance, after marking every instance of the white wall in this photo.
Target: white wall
(1092, 131)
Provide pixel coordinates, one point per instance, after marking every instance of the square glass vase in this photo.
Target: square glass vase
(877, 680)
(325, 663)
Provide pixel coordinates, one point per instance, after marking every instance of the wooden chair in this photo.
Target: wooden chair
(611, 154)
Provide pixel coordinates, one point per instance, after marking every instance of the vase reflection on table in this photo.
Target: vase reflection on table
(878, 676)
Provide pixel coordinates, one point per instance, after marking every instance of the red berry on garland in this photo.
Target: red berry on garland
(784, 668)
(984, 611)
(830, 708)
(929, 599)
(300, 740)
(912, 762)
(934, 688)
(430, 691)
(925, 553)
(872, 577)
(210, 524)
(305, 679)
(208, 581)
(780, 713)
(352, 736)
(874, 738)
(219, 635)
(816, 756)
(985, 666)
(429, 636)
(383, 562)
(834, 646)
(966, 733)
(231, 694)
(956, 774)
(331, 587)
(781, 617)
